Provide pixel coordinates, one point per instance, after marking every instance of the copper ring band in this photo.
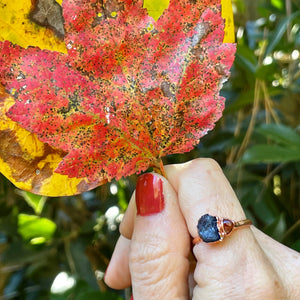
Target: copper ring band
(213, 229)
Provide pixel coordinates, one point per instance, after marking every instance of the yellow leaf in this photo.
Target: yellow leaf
(16, 27)
(227, 14)
(155, 8)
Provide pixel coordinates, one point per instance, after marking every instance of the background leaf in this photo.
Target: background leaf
(270, 154)
(279, 32)
(31, 226)
(37, 202)
(281, 134)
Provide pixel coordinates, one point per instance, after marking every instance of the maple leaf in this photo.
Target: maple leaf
(129, 91)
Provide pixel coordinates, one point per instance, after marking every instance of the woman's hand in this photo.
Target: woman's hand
(153, 253)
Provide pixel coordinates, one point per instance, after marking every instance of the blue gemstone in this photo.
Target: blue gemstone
(208, 229)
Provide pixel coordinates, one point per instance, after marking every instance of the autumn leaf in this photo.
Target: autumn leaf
(24, 160)
(29, 163)
(129, 91)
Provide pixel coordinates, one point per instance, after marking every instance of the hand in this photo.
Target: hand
(153, 253)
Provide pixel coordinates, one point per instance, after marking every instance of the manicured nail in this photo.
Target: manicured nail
(149, 195)
(131, 298)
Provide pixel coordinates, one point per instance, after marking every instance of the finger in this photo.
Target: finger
(127, 224)
(160, 243)
(117, 275)
(285, 261)
(228, 269)
(126, 230)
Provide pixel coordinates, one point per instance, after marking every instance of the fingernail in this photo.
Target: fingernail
(149, 195)
(131, 298)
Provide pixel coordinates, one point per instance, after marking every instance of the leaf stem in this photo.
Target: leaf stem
(158, 168)
(162, 169)
(70, 259)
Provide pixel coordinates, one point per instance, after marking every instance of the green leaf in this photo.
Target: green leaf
(270, 154)
(277, 229)
(262, 205)
(280, 30)
(245, 63)
(37, 202)
(277, 3)
(244, 99)
(280, 134)
(266, 72)
(19, 254)
(34, 227)
(82, 263)
(122, 198)
(296, 245)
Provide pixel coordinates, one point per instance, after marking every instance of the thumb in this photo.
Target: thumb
(160, 245)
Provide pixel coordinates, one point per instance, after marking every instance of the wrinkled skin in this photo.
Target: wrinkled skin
(153, 253)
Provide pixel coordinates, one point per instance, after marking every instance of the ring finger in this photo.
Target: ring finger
(231, 268)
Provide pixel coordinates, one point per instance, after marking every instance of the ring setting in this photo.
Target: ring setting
(213, 229)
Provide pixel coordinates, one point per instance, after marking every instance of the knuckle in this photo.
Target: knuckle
(200, 166)
(268, 288)
(207, 164)
(149, 262)
(151, 248)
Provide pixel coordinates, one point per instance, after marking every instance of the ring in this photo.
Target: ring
(213, 229)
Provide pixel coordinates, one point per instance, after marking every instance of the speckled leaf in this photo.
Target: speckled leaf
(24, 160)
(29, 164)
(129, 91)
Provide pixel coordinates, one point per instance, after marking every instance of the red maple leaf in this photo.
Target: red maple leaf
(129, 91)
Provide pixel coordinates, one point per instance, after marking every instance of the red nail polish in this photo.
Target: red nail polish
(131, 298)
(149, 195)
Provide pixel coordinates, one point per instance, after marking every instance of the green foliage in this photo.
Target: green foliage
(35, 229)
(37, 202)
(284, 148)
(82, 291)
(256, 142)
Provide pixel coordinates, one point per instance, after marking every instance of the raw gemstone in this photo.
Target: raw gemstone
(227, 225)
(208, 229)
